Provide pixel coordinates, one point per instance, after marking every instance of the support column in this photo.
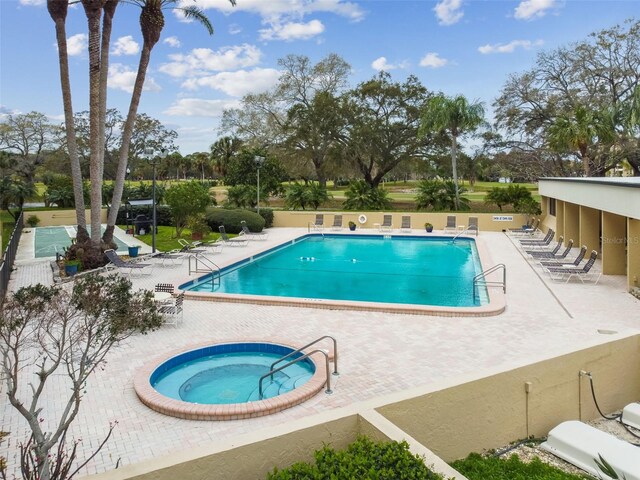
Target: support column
(589, 229)
(559, 218)
(614, 256)
(571, 222)
(633, 253)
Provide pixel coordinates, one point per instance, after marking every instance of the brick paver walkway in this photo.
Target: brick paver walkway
(380, 353)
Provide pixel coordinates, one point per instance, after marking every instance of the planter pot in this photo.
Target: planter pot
(429, 229)
(133, 251)
(196, 236)
(352, 227)
(71, 270)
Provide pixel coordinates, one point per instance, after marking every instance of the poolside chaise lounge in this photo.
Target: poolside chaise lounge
(451, 224)
(545, 241)
(529, 229)
(233, 242)
(249, 235)
(473, 225)
(318, 224)
(337, 222)
(191, 248)
(121, 265)
(386, 225)
(405, 226)
(552, 255)
(171, 257)
(558, 263)
(583, 274)
(535, 249)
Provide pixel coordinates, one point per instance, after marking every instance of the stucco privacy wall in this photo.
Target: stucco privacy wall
(54, 218)
(463, 416)
(494, 222)
(495, 410)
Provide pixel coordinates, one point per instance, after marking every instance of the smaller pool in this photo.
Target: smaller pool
(51, 240)
(221, 382)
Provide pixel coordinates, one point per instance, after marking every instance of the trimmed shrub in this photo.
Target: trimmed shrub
(163, 214)
(231, 219)
(362, 460)
(267, 215)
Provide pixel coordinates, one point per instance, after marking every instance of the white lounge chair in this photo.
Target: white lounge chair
(405, 226)
(232, 242)
(450, 227)
(386, 225)
(121, 265)
(337, 222)
(318, 224)
(249, 235)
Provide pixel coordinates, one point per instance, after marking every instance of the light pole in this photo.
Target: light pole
(259, 161)
(153, 160)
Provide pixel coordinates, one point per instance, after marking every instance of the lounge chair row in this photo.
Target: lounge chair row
(405, 226)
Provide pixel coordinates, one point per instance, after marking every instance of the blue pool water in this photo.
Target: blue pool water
(52, 240)
(408, 270)
(223, 374)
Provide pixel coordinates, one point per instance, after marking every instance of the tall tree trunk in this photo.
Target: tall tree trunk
(93, 11)
(151, 24)
(454, 167)
(58, 11)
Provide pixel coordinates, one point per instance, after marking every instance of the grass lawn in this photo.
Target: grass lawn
(166, 239)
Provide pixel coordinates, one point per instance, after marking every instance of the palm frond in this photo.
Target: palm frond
(194, 13)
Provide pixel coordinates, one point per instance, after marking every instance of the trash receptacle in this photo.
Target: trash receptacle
(133, 251)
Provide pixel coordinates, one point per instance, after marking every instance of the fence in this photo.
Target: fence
(8, 257)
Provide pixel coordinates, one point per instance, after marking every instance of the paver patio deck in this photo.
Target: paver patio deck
(380, 353)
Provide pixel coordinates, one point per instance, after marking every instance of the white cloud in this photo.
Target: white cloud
(125, 46)
(172, 41)
(204, 60)
(122, 77)
(239, 83)
(433, 60)
(277, 9)
(530, 9)
(448, 11)
(198, 107)
(509, 47)
(234, 29)
(381, 63)
(292, 31)
(77, 44)
(32, 3)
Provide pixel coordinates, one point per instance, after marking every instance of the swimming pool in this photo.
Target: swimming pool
(363, 268)
(222, 381)
(51, 240)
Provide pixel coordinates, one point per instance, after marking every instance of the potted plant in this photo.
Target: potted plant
(428, 227)
(71, 267)
(198, 225)
(33, 221)
(352, 226)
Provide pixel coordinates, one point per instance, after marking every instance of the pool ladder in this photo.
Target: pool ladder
(466, 230)
(481, 279)
(203, 265)
(273, 370)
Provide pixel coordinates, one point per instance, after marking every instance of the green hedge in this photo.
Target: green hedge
(231, 219)
(267, 214)
(362, 460)
(477, 467)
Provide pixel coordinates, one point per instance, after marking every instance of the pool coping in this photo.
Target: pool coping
(495, 306)
(233, 411)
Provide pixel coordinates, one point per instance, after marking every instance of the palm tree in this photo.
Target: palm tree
(58, 12)
(221, 152)
(453, 116)
(151, 25)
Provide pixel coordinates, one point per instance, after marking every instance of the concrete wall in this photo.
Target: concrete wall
(589, 228)
(54, 218)
(493, 411)
(486, 221)
(633, 253)
(571, 222)
(614, 237)
(483, 412)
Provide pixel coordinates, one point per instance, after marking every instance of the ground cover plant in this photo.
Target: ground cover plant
(365, 460)
(477, 467)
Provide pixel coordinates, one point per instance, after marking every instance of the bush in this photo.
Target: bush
(267, 215)
(360, 196)
(439, 195)
(302, 196)
(231, 219)
(476, 467)
(516, 195)
(363, 459)
(33, 221)
(163, 214)
(185, 199)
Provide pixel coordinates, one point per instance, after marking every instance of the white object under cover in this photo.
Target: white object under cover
(579, 444)
(631, 415)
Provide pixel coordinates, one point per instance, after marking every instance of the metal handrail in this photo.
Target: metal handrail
(466, 230)
(210, 267)
(9, 256)
(483, 275)
(296, 360)
(335, 353)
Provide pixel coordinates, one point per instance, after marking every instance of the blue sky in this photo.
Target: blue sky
(454, 46)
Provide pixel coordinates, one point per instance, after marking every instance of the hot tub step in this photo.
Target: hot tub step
(581, 444)
(631, 415)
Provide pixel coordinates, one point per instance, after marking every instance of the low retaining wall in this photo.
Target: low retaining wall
(481, 411)
(55, 218)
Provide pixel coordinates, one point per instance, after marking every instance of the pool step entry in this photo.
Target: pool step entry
(298, 356)
(581, 445)
(481, 279)
(202, 264)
